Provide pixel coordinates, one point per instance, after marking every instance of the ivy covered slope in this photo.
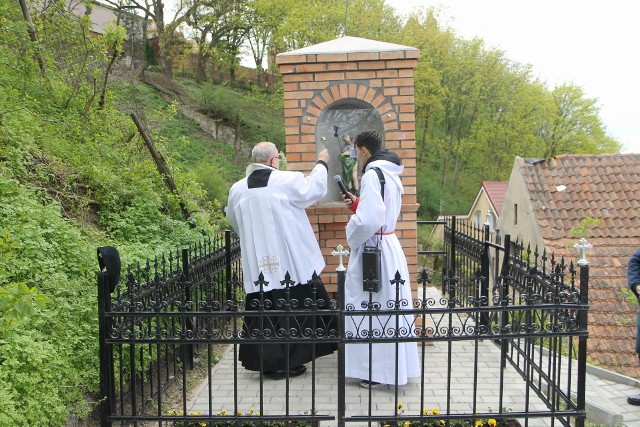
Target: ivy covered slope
(74, 175)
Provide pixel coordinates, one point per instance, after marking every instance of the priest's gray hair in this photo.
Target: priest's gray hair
(263, 152)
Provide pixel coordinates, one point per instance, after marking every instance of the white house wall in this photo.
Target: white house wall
(527, 228)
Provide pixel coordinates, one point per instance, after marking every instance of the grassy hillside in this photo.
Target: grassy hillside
(258, 116)
(252, 113)
(75, 175)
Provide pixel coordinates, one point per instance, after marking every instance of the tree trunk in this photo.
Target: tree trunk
(201, 69)
(164, 41)
(165, 59)
(161, 164)
(103, 92)
(32, 34)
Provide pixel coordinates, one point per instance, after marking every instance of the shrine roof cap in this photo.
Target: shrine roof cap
(348, 44)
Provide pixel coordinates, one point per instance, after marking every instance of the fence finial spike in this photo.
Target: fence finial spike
(583, 247)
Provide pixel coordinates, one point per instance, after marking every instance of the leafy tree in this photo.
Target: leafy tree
(308, 23)
(502, 127)
(423, 32)
(168, 37)
(113, 41)
(572, 124)
(234, 39)
(263, 20)
(371, 19)
(218, 29)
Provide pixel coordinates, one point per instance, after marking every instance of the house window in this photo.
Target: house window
(491, 220)
(476, 219)
(515, 214)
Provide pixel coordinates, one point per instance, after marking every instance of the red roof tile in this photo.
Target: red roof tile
(570, 188)
(496, 190)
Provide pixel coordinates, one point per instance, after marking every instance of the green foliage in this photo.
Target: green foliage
(582, 229)
(42, 364)
(35, 383)
(434, 199)
(628, 295)
(18, 302)
(74, 176)
(431, 238)
(216, 186)
(113, 39)
(255, 115)
(193, 154)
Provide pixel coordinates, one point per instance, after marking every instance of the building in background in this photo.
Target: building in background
(485, 209)
(551, 204)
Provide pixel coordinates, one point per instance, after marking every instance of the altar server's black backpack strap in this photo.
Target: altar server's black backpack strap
(381, 179)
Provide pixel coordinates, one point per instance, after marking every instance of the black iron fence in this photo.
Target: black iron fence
(501, 338)
(151, 321)
(536, 306)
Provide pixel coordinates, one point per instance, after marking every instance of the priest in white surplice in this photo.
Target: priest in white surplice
(374, 221)
(267, 211)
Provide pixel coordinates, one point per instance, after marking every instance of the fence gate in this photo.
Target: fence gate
(493, 325)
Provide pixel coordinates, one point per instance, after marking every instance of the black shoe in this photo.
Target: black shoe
(634, 400)
(372, 384)
(281, 373)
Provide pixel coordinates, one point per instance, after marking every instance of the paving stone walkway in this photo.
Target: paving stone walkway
(606, 392)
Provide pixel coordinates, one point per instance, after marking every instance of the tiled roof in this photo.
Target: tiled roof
(496, 190)
(570, 188)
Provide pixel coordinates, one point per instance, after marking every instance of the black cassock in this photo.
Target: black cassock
(274, 355)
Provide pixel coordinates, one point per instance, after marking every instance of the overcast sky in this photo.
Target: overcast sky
(592, 43)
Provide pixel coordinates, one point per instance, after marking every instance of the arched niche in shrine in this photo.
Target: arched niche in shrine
(339, 124)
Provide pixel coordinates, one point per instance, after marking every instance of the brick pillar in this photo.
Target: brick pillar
(380, 74)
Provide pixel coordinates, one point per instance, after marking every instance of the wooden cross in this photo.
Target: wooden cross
(340, 253)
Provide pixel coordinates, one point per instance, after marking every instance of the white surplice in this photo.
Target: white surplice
(275, 234)
(371, 215)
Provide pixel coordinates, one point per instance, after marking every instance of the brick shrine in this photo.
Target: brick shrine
(352, 74)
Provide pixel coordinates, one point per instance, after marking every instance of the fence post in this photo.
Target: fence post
(341, 271)
(582, 341)
(227, 258)
(107, 382)
(187, 349)
(484, 285)
(504, 299)
(342, 405)
(451, 288)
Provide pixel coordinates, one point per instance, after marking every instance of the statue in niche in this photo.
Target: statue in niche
(349, 160)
